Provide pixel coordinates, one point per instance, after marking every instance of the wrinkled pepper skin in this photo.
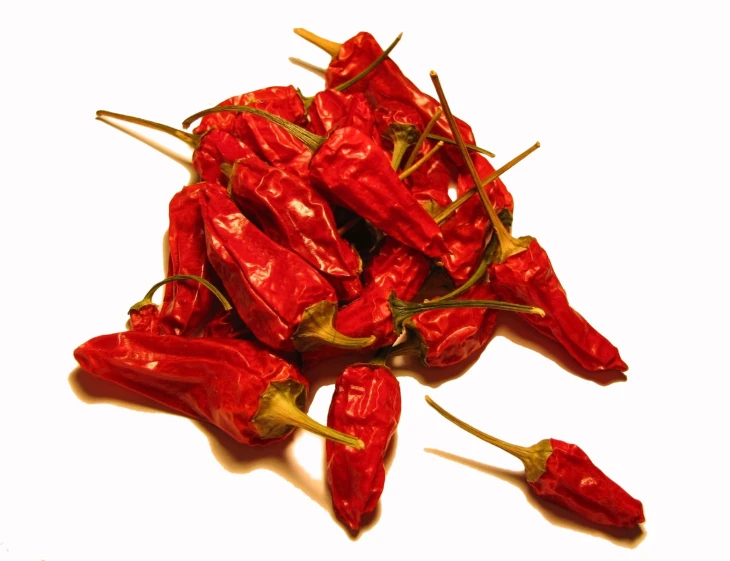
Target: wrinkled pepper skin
(450, 336)
(227, 324)
(187, 305)
(572, 481)
(215, 380)
(296, 216)
(331, 109)
(431, 181)
(352, 171)
(270, 287)
(218, 147)
(528, 278)
(147, 318)
(367, 404)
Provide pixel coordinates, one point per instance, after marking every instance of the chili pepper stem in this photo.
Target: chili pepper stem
(279, 409)
(402, 311)
(354, 80)
(409, 170)
(534, 457)
(330, 47)
(508, 245)
(471, 147)
(307, 66)
(148, 297)
(317, 329)
(402, 135)
(192, 140)
(422, 138)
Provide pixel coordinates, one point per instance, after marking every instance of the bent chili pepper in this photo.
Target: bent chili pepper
(562, 473)
(296, 216)
(522, 272)
(246, 390)
(211, 149)
(279, 296)
(367, 404)
(352, 171)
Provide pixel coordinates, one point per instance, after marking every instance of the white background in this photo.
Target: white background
(630, 103)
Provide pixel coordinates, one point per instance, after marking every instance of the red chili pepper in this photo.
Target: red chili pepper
(352, 171)
(244, 389)
(448, 336)
(145, 318)
(331, 109)
(227, 323)
(296, 216)
(522, 272)
(279, 296)
(367, 404)
(562, 473)
(212, 148)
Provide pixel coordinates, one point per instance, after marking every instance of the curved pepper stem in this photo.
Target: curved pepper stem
(147, 300)
(330, 47)
(280, 407)
(317, 329)
(534, 457)
(402, 311)
(508, 245)
(192, 140)
(309, 139)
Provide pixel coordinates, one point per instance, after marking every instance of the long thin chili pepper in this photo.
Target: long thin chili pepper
(522, 272)
(562, 473)
(366, 403)
(279, 296)
(296, 216)
(249, 392)
(355, 173)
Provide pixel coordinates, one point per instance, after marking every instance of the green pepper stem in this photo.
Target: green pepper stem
(471, 281)
(317, 329)
(381, 356)
(311, 140)
(422, 138)
(409, 170)
(508, 245)
(190, 139)
(402, 135)
(402, 311)
(534, 457)
(307, 66)
(471, 147)
(372, 66)
(330, 47)
(449, 210)
(278, 409)
(148, 297)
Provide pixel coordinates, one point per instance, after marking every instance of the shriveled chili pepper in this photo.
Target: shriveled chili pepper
(522, 272)
(296, 216)
(352, 171)
(279, 296)
(145, 315)
(562, 473)
(246, 390)
(367, 404)
(211, 148)
(331, 109)
(227, 323)
(448, 336)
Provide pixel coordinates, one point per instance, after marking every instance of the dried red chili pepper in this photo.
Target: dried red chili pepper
(279, 296)
(211, 149)
(331, 109)
(367, 404)
(227, 323)
(296, 216)
(246, 390)
(522, 272)
(352, 171)
(562, 473)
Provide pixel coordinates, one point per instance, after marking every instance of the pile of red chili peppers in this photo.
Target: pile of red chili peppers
(311, 233)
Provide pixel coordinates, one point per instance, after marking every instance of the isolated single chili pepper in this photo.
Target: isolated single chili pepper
(522, 272)
(562, 473)
(293, 214)
(367, 404)
(211, 148)
(446, 337)
(279, 296)
(352, 171)
(246, 390)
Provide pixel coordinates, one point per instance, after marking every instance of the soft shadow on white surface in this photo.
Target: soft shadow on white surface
(556, 515)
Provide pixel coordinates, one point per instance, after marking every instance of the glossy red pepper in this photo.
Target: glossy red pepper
(562, 473)
(241, 387)
(279, 296)
(331, 109)
(367, 404)
(227, 323)
(296, 216)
